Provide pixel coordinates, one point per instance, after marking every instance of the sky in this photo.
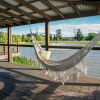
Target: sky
(68, 27)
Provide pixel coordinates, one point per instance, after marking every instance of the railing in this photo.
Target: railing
(4, 44)
(59, 47)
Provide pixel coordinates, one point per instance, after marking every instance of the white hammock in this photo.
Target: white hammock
(67, 69)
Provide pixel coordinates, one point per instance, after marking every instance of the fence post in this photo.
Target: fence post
(5, 48)
(9, 42)
(47, 35)
(17, 47)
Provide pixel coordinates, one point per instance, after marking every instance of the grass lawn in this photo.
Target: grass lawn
(70, 42)
(40, 42)
(74, 42)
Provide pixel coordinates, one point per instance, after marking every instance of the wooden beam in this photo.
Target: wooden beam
(89, 13)
(54, 46)
(10, 19)
(5, 48)
(98, 11)
(2, 24)
(47, 35)
(90, 3)
(33, 8)
(67, 0)
(16, 9)
(6, 22)
(9, 42)
(53, 8)
(95, 3)
(13, 15)
(75, 9)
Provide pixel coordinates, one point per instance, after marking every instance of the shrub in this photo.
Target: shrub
(24, 60)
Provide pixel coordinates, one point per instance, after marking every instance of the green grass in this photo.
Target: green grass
(74, 42)
(24, 60)
(40, 42)
(1, 47)
(69, 42)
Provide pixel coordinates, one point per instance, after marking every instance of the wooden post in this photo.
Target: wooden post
(47, 35)
(17, 47)
(5, 48)
(9, 42)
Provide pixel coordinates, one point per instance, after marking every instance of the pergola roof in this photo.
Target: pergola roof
(20, 12)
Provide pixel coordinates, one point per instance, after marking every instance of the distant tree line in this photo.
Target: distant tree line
(78, 36)
(21, 38)
(27, 38)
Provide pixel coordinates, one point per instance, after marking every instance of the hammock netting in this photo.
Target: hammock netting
(67, 69)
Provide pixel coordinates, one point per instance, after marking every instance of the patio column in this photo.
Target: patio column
(9, 42)
(47, 35)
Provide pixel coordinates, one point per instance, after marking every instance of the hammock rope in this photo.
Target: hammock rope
(69, 68)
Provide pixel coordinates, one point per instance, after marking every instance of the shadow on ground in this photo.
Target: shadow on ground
(22, 86)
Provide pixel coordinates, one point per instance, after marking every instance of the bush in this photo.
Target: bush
(90, 36)
(24, 60)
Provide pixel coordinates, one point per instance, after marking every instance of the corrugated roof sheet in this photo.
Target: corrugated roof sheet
(25, 17)
(85, 9)
(12, 2)
(25, 9)
(67, 10)
(16, 19)
(90, 7)
(14, 12)
(50, 13)
(29, 0)
(37, 15)
(40, 5)
(57, 3)
(3, 7)
(5, 15)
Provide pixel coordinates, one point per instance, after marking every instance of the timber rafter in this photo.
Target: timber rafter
(33, 8)
(10, 19)
(13, 15)
(16, 9)
(46, 2)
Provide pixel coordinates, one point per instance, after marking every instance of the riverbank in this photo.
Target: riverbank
(69, 42)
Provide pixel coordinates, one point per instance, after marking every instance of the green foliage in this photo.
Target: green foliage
(51, 38)
(3, 37)
(69, 38)
(24, 38)
(24, 60)
(16, 38)
(90, 36)
(21, 38)
(58, 35)
(79, 36)
(40, 37)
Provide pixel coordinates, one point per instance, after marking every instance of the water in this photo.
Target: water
(92, 60)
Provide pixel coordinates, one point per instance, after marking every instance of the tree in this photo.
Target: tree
(24, 38)
(79, 36)
(58, 35)
(54, 37)
(16, 38)
(90, 36)
(3, 37)
(40, 37)
(51, 37)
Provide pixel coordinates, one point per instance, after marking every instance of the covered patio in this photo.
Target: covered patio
(21, 82)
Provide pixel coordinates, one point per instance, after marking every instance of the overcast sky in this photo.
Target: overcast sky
(86, 24)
